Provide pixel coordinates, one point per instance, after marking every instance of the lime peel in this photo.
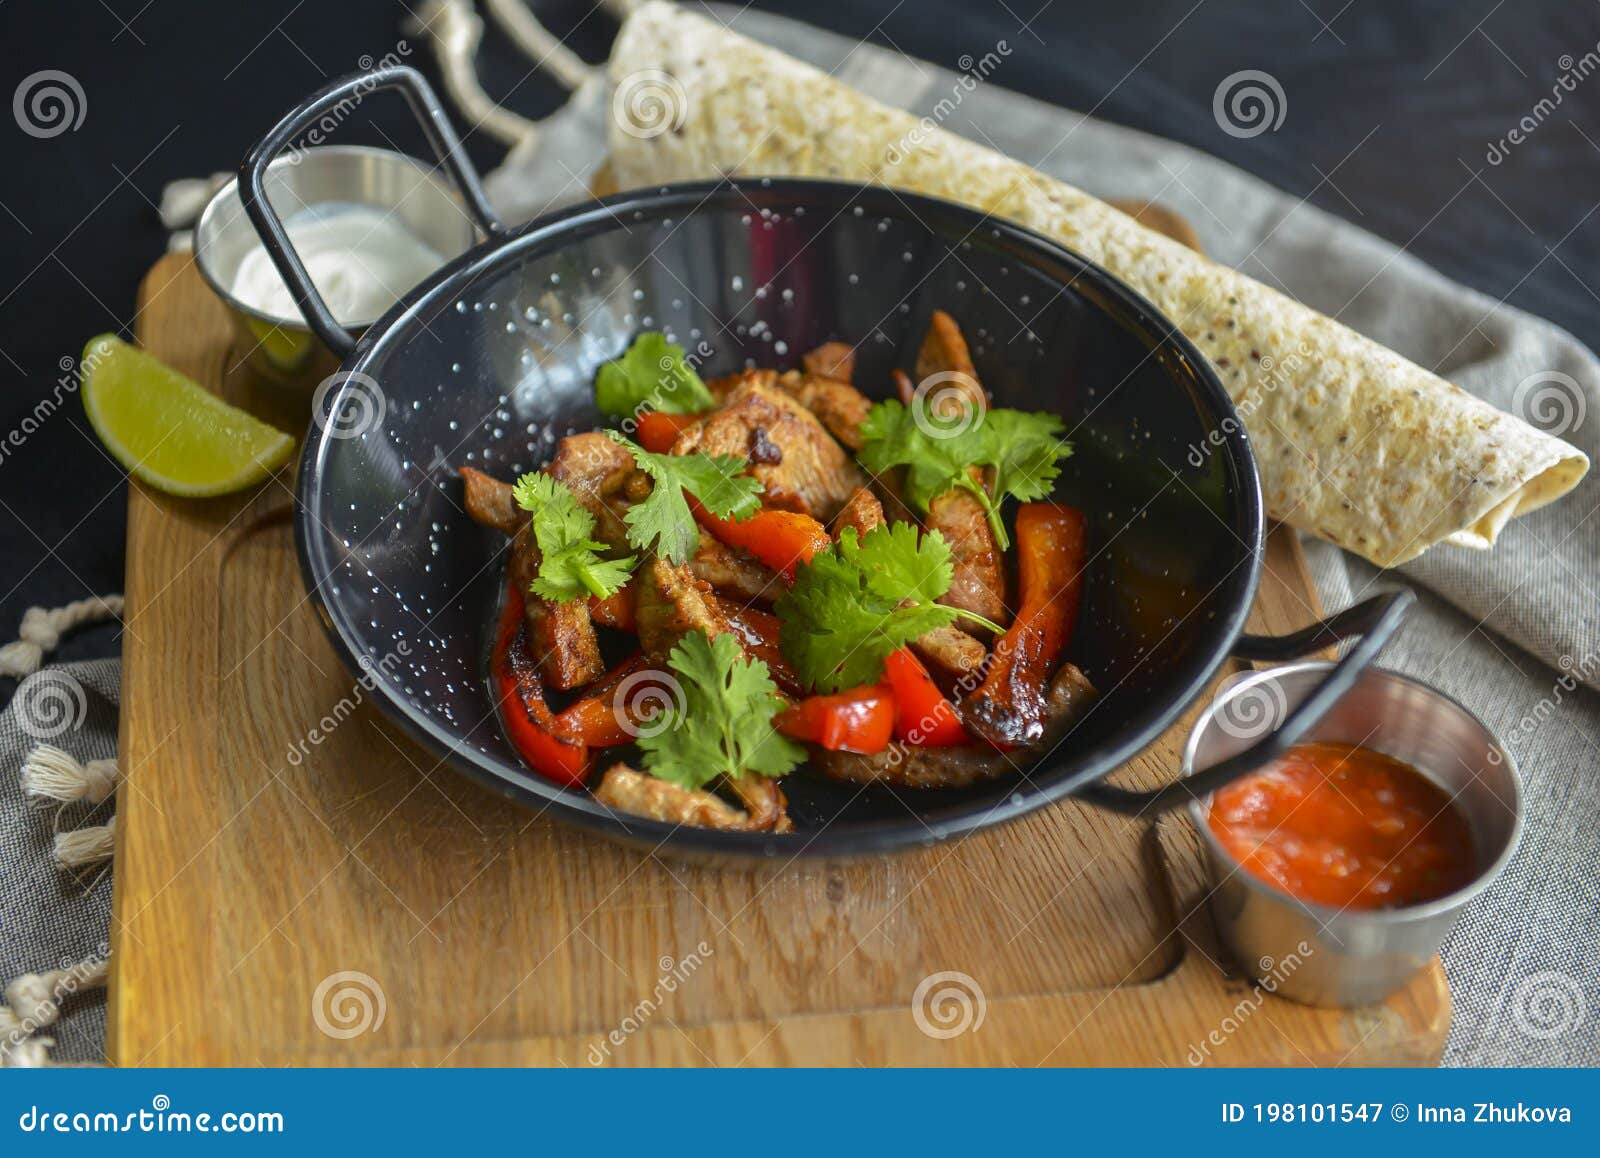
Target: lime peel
(170, 431)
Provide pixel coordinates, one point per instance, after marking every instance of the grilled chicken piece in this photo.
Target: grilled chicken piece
(835, 360)
(979, 580)
(633, 792)
(944, 351)
(903, 766)
(722, 387)
(733, 571)
(597, 471)
(560, 636)
(840, 406)
(791, 453)
(671, 602)
(979, 585)
(490, 503)
(955, 657)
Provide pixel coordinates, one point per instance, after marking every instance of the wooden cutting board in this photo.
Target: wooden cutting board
(270, 907)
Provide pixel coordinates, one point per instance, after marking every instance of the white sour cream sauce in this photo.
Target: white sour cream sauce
(360, 258)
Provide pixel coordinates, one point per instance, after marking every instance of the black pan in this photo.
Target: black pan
(492, 360)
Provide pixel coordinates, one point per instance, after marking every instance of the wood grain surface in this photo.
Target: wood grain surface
(264, 892)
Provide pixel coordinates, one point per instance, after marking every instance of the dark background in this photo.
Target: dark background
(1392, 107)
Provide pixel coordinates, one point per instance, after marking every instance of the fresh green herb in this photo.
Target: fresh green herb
(863, 598)
(652, 375)
(721, 725)
(570, 566)
(663, 522)
(1021, 447)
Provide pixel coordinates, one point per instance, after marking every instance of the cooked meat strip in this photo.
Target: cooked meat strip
(840, 406)
(560, 635)
(634, 792)
(979, 580)
(722, 387)
(597, 471)
(862, 511)
(489, 502)
(672, 601)
(763, 801)
(835, 360)
(815, 475)
(944, 351)
(903, 766)
(979, 585)
(733, 571)
(955, 657)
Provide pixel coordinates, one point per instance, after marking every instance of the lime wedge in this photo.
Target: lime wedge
(170, 431)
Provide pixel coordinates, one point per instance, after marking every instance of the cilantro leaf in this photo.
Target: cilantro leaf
(1025, 448)
(652, 375)
(570, 566)
(663, 522)
(721, 724)
(861, 599)
(1021, 449)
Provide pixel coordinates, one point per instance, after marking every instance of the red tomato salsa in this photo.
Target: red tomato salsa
(1338, 825)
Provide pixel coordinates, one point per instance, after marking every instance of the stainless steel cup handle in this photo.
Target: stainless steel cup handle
(1375, 620)
(252, 181)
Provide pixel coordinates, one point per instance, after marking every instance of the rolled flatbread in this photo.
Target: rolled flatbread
(1355, 444)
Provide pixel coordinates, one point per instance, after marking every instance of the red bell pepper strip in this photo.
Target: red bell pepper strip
(658, 430)
(616, 610)
(601, 719)
(530, 725)
(1052, 550)
(780, 539)
(926, 718)
(758, 634)
(859, 720)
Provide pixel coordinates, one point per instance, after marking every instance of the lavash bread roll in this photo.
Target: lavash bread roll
(1355, 444)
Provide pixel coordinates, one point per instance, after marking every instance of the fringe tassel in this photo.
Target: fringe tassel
(33, 1002)
(86, 846)
(52, 775)
(43, 627)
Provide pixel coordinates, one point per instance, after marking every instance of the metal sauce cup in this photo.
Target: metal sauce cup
(284, 349)
(1322, 955)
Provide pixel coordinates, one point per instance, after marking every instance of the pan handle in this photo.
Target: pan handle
(337, 99)
(1375, 620)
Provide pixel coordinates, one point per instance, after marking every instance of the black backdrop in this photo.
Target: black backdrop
(1391, 108)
